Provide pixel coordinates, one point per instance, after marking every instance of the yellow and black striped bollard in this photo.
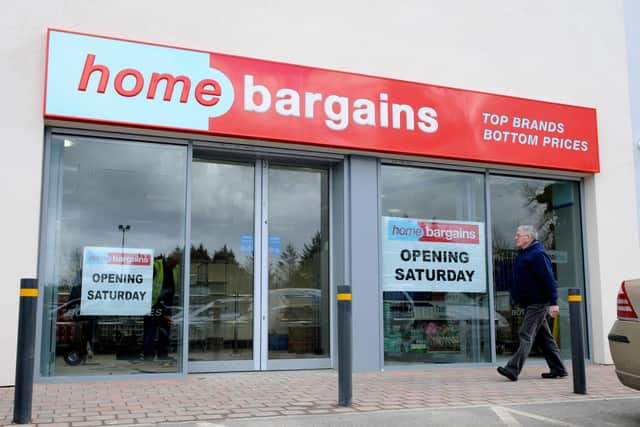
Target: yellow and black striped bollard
(344, 345)
(25, 353)
(577, 343)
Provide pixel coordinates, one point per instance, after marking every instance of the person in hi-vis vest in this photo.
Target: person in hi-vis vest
(157, 325)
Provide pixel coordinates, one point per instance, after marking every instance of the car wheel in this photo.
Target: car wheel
(73, 357)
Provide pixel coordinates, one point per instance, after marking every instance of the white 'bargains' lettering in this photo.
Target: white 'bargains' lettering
(339, 111)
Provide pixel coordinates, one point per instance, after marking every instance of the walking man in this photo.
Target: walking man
(535, 289)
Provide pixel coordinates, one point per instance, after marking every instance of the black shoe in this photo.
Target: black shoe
(554, 374)
(502, 371)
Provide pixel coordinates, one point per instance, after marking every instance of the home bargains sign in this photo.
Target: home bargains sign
(116, 281)
(435, 256)
(107, 80)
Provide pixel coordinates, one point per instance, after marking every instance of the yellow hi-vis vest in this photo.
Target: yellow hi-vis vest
(158, 280)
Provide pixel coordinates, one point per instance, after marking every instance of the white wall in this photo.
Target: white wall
(632, 30)
(569, 52)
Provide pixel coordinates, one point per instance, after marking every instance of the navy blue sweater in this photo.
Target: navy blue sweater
(533, 281)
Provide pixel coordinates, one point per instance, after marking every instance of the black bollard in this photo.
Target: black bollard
(344, 345)
(25, 353)
(577, 345)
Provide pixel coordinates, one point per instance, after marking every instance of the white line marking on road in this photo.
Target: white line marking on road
(505, 416)
(540, 418)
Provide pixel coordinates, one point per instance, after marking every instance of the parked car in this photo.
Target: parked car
(291, 307)
(624, 337)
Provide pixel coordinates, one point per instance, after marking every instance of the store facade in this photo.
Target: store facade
(199, 210)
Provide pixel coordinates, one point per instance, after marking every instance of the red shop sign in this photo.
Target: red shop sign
(107, 80)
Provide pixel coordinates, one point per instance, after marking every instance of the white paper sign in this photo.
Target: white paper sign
(116, 281)
(433, 256)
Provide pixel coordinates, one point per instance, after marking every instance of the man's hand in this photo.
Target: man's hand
(554, 310)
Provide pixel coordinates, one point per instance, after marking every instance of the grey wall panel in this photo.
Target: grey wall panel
(339, 219)
(632, 34)
(363, 185)
(339, 203)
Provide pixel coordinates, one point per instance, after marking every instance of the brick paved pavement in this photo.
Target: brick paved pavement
(216, 397)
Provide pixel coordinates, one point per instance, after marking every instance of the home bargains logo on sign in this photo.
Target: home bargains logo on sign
(436, 256)
(106, 80)
(449, 233)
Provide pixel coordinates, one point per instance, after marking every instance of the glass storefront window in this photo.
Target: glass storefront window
(221, 300)
(113, 257)
(298, 326)
(435, 298)
(553, 207)
(112, 263)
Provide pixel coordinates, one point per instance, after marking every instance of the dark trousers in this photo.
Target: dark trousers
(156, 326)
(535, 328)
